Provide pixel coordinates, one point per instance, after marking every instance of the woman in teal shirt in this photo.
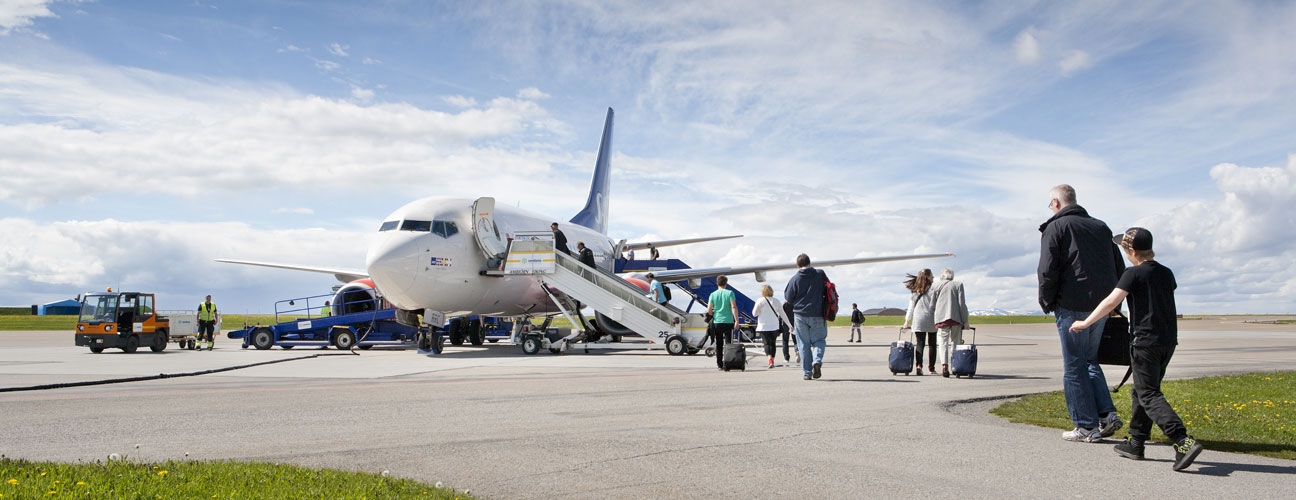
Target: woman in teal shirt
(723, 307)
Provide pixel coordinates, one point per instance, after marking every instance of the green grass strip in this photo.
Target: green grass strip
(202, 480)
(1253, 413)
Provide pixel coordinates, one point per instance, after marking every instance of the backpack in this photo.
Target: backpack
(829, 298)
(666, 291)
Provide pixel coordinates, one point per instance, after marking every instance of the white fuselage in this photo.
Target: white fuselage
(426, 257)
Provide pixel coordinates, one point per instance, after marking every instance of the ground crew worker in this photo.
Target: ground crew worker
(326, 310)
(207, 315)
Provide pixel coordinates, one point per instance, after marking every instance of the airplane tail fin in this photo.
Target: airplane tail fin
(595, 213)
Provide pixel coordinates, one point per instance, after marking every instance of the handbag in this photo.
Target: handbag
(783, 328)
(1114, 347)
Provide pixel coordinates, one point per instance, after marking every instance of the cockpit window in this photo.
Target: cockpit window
(445, 228)
(416, 225)
(388, 226)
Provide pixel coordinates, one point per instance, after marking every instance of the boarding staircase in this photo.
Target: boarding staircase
(698, 290)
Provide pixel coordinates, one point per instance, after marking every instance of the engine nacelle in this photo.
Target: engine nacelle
(609, 327)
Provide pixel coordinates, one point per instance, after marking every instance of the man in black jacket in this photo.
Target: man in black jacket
(857, 319)
(586, 255)
(1078, 267)
(560, 239)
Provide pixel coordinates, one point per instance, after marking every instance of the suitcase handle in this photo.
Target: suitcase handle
(900, 336)
(973, 328)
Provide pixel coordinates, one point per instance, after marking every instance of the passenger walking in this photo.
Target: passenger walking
(791, 332)
(921, 315)
(722, 305)
(586, 255)
(1079, 266)
(950, 312)
(560, 239)
(1150, 287)
(857, 319)
(806, 293)
(656, 290)
(207, 316)
(770, 322)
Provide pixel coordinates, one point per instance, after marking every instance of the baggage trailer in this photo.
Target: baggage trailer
(184, 327)
(368, 323)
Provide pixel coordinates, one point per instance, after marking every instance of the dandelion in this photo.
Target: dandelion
(438, 484)
(42, 474)
(113, 457)
(80, 483)
(13, 482)
(385, 473)
(162, 473)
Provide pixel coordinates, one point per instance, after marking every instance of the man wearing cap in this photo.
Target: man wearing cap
(1078, 267)
(1150, 287)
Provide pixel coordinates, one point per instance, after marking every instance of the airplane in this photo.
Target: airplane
(429, 255)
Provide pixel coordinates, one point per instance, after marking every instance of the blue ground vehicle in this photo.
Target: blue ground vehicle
(477, 330)
(361, 320)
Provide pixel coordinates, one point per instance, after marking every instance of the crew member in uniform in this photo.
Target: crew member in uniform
(207, 315)
(560, 239)
(327, 310)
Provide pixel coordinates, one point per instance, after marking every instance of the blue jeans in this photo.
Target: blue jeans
(812, 337)
(1083, 381)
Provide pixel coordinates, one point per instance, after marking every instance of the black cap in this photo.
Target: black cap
(1134, 238)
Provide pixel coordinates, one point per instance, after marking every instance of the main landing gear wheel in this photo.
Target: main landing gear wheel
(456, 332)
(531, 345)
(676, 346)
(262, 339)
(476, 334)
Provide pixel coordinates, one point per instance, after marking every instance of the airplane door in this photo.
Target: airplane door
(487, 233)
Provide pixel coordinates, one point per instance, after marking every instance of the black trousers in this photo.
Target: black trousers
(788, 333)
(206, 330)
(720, 332)
(769, 339)
(1148, 404)
(928, 338)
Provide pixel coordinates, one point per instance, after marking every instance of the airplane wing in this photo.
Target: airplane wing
(343, 275)
(671, 243)
(688, 274)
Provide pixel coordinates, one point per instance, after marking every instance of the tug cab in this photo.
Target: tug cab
(123, 320)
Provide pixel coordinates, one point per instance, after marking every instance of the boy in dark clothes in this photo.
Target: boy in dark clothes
(1150, 287)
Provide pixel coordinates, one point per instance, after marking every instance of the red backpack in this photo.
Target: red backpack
(829, 298)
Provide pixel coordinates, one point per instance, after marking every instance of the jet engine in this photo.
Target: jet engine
(609, 327)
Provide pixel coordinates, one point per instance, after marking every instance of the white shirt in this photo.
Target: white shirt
(768, 314)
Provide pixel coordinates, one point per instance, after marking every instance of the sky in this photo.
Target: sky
(141, 140)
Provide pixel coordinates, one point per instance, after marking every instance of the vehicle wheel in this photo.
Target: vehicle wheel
(96, 350)
(438, 343)
(456, 333)
(531, 345)
(132, 343)
(262, 339)
(710, 352)
(476, 334)
(424, 341)
(159, 342)
(344, 340)
(676, 346)
(366, 347)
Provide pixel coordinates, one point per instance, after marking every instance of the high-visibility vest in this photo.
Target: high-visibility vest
(206, 311)
(325, 311)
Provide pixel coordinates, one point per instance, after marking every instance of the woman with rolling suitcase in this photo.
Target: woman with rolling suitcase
(920, 314)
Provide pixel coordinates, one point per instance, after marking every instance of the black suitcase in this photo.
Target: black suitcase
(964, 360)
(1114, 348)
(901, 359)
(735, 356)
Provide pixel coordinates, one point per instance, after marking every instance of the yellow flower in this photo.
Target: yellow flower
(80, 483)
(12, 481)
(162, 473)
(42, 474)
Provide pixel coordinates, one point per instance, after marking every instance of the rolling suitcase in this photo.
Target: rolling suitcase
(901, 359)
(735, 356)
(964, 360)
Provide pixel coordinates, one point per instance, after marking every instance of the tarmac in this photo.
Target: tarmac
(626, 424)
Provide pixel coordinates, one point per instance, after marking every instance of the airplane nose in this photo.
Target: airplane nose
(393, 262)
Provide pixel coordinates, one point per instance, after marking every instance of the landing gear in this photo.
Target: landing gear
(456, 331)
(431, 340)
(476, 334)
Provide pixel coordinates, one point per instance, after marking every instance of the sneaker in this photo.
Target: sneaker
(807, 377)
(1185, 452)
(1109, 425)
(945, 371)
(815, 371)
(771, 363)
(1130, 450)
(1082, 435)
(919, 370)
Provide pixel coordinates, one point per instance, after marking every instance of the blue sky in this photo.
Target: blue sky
(140, 140)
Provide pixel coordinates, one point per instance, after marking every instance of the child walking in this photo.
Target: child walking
(1153, 320)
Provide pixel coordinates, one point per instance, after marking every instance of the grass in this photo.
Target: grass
(68, 323)
(206, 480)
(1252, 413)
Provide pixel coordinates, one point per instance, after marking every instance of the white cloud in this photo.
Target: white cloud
(19, 14)
(531, 94)
(170, 37)
(1026, 47)
(291, 48)
(459, 101)
(1074, 61)
(370, 60)
(327, 65)
(362, 94)
(338, 49)
(296, 211)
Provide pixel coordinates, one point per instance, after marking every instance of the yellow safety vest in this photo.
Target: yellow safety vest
(206, 312)
(325, 311)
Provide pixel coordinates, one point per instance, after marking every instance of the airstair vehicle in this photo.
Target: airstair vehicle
(572, 285)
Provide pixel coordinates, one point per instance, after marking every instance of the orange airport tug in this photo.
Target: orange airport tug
(124, 320)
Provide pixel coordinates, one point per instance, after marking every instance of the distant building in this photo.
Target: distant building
(67, 307)
(884, 311)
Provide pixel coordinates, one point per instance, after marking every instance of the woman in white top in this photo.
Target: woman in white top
(921, 315)
(769, 317)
